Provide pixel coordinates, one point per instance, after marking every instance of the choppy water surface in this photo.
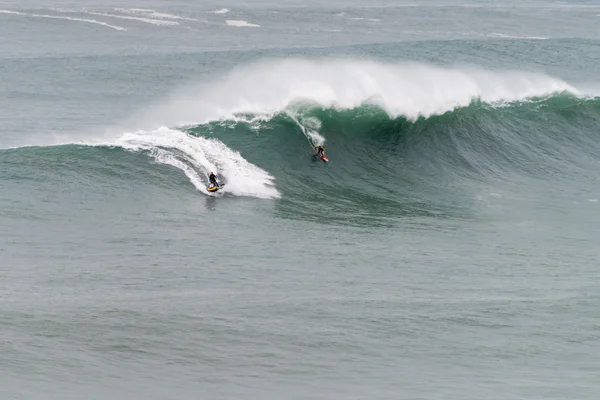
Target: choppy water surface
(448, 249)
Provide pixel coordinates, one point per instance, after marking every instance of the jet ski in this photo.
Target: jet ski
(214, 188)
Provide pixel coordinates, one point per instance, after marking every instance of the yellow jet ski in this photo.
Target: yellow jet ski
(214, 188)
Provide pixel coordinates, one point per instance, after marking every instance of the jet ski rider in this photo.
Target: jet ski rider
(213, 179)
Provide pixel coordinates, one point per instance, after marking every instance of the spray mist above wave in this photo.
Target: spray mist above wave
(410, 90)
(197, 156)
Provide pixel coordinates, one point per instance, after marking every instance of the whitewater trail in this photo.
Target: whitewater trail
(198, 156)
(308, 126)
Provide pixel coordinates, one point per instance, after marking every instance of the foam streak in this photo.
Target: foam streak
(241, 24)
(91, 21)
(146, 12)
(145, 20)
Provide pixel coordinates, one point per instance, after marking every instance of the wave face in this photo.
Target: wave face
(403, 139)
(383, 167)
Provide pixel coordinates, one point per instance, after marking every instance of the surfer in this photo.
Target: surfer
(320, 151)
(213, 179)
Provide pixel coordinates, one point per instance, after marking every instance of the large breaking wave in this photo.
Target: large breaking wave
(400, 136)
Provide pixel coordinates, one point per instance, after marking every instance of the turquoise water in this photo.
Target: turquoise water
(448, 250)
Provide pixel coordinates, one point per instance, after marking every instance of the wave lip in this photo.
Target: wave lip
(409, 90)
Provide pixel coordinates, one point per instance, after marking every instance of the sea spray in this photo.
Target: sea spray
(409, 90)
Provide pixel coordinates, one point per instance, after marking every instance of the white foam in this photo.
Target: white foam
(150, 13)
(197, 156)
(411, 90)
(158, 22)
(501, 35)
(90, 21)
(309, 127)
(241, 24)
(221, 11)
(365, 19)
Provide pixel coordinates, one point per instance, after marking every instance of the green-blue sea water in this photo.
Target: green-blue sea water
(449, 249)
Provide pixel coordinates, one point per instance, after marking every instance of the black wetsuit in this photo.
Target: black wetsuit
(213, 179)
(320, 151)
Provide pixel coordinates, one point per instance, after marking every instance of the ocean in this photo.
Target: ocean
(449, 249)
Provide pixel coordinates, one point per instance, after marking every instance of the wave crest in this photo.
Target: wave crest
(409, 90)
